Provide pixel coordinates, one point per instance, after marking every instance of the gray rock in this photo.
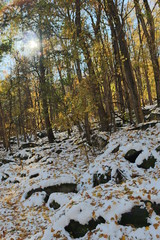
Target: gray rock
(150, 162)
(28, 145)
(65, 188)
(54, 205)
(131, 155)
(98, 141)
(99, 178)
(136, 218)
(77, 230)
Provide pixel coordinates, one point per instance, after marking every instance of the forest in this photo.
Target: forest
(79, 119)
(87, 61)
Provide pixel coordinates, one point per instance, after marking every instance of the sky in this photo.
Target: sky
(26, 44)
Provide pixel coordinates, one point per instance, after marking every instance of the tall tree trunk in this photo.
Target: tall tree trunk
(118, 71)
(3, 129)
(21, 115)
(112, 11)
(43, 90)
(96, 95)
(145, 66)
(150, 36)
(79, 72)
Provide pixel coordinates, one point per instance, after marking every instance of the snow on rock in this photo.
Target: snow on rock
(59, 198)
(37, 199)
(108, 200)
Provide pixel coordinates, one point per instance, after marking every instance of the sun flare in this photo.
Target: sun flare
(33, 44)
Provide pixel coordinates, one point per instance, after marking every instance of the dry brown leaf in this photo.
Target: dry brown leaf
(156, 225)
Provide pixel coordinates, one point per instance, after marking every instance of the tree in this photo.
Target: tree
(112, 11)
(150, 36)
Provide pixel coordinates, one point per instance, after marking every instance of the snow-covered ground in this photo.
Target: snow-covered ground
(64, 183)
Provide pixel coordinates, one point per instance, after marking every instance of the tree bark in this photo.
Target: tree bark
(113, 14)
(96, 95)
(43, 92)
(150, 36)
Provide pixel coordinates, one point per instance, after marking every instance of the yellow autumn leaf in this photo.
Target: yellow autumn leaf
(99, 194)
(93, 215)
(94, 194)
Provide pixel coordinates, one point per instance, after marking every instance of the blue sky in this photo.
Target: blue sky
(25, 45)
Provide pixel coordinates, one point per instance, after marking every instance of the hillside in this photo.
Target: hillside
(65, 190)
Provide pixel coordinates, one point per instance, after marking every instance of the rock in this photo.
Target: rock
(23, 154)
(34, 175)
(156, 208)
(42, 134)
(154, 116)
(23, 174)
(65, 188)
(144, 126)
(38, 157)
(119, 123)
(77, 230)
(99, 141)
(116, 149)
(158, 149)
(28, 145)
(54, 205)
(146, 111)
(59, 151)
(13, 140)
(119, 177)
(131, 155)
(99, 178)
(4, 177)
(14, 181)
(5, 161)
(150, 162)
(136, 218)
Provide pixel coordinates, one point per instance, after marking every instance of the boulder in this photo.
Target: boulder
(13, 181)
(54, 205)
(4, 177)
(150, 162)
(65, 188)
(42, 134)
(28, 145)
(119, 177)
(99, 141)
(34, 175)
(144, 126)
(99, 178)
(59, 151)
(131, 155)
(158, 149)
(23, 175)
(38, 157)
(136, 218)
(154, 116)
(146, 111)
(77, 230)
(156, 208)
(13, 140)
(5, 161)
(116, 149)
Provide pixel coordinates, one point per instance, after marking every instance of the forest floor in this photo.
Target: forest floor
(65, 190)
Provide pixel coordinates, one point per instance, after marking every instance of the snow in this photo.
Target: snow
(37, 199)
(37, 220)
